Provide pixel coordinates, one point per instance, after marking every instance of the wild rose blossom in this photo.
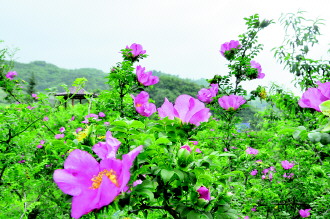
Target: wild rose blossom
(10, 75)
(101, 114)
(45, 119)
(186, 108)
(250, 150)
(93, 184)
(62, 129)
(231, 102)
(107, 149)
(136, 49)
(146, 78)
(304, 213)
(198, 150)
(313, 97)
(204, 193)
(206, 95)
(289, 176)
(35, 96)
(142, 105)
(257, 66)
(287, 165)
(187, 147)
(254, 172)
(59, 136)
(229, 46)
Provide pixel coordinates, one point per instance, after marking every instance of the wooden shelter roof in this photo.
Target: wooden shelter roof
(74, 94)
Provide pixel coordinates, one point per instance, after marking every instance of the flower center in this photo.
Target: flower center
(97, 180)
(138, 105)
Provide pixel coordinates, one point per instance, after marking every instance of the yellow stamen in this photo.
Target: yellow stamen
(97, 180)
(138, 105)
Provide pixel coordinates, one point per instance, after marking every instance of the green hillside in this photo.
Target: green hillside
(50, 76)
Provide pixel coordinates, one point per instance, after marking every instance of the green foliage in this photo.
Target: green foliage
(301, 35)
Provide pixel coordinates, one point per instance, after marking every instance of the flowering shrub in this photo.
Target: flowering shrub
(121, 157)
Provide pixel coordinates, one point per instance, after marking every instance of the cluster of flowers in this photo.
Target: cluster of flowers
(268, 172)
(228, 50)
(95, 184)
(313, 97)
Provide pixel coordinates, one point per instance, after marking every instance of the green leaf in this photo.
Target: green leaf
(325, 107)
(137, 125)
(314, 137)
(162, 141)
(166, 175)
(119, 123)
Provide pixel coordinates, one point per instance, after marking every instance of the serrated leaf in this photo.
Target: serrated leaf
(162, 141)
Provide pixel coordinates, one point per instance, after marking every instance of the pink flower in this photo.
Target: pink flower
(304, 213)
(231, 102)
(254, 209)
(78, 130)
(35, 96)
(287, 165)
(10, 75)
(107, 149)
(204, 193)
(313, 97)
(225, 149)
(39, 146)
(257, 66)
(254, 172)
(198, 150)
(187, 147)
(289, 176)
(62, 129)
(45, 118)
(137, 182)
(142, 105)
(146, 78)
(106, 123)
(250, 150)
(30, 107)
(136, 49)
(187, 109)
(72, 118)
(93, 184)
(101, 114)
(228, 46)
(59, 136)
(206, 95)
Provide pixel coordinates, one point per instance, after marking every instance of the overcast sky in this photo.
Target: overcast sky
(182, 37)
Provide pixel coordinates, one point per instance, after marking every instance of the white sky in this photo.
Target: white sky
(182, 37)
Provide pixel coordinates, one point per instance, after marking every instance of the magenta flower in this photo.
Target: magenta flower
(194, 142)
(35, 96)
(287, 165)
(206, 95)
(62, 129)
(204, 193)
(250, 150)
(231, 102)
(92, 184)
(78, 130)
(106, 123)
(265, 171)
(289, 176)
(142, 105)
(313, 97)
(92, 115)
(187, 147)
(72, 118)
(304, 213)
(228, 46)
(145, 78)
(107, 149)
(198, 150)
(257, 66)
(30, 107)
(10, 75)
(254, 172)
(137, 182)
(254, 209)
(59, 136)
(186, 108)
(45, 118)
(101, 114)
(136, 49)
